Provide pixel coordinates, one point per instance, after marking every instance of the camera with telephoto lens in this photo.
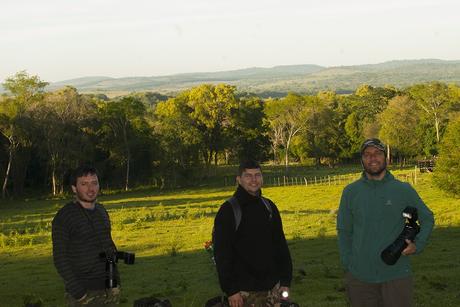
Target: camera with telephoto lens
(391, 254)
(111, 260)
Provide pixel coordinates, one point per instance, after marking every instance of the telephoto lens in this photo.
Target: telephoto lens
(128, 258)
(111, 280)
(111, 259)
(391, 254)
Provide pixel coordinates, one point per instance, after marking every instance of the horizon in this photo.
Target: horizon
(61, 41)
(253, 67)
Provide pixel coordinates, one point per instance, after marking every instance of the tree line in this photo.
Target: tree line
(137, 137)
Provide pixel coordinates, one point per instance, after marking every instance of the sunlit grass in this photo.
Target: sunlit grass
(167, 230)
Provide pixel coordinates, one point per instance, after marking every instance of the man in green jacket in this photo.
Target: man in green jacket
(370, 219)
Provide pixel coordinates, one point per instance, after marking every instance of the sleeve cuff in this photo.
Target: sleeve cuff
(285, 283)
(231, 292)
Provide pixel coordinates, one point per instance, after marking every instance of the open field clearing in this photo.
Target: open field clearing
(167, 231)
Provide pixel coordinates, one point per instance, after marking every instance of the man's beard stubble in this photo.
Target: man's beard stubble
(377, 172)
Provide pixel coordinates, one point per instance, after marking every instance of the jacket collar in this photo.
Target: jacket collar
(244, 197)
(388, 177)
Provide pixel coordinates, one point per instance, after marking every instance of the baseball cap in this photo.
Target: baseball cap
(374, 143)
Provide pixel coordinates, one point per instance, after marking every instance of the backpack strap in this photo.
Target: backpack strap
(268, 206)
(237, 209)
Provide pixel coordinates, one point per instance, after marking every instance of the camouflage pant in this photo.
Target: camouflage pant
(269, 298)
(108, 297)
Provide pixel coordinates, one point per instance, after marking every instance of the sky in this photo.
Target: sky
(63, 39)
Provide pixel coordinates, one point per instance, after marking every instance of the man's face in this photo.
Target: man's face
(87, 188)
(251, 180)
(374, 161)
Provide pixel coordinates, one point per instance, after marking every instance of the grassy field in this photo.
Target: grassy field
(167, 231)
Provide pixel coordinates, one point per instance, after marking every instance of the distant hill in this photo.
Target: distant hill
(279, 80)
(174, 83)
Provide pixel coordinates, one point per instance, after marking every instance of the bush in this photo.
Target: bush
(447, 174)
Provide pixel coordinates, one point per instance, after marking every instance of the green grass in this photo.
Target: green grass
(167, 231)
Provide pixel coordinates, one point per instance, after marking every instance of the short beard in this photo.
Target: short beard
(377, 172)
(83, 198)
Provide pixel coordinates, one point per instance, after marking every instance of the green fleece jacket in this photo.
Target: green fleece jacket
(370, 218)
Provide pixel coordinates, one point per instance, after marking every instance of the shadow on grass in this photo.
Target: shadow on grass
(184, 202)
(188, 278)
(36, 216)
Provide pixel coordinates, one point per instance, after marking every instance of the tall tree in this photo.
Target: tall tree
(287, 117)
(24, 90)
(64, 121)
(398, 126)
(322, 136)
(434, 99)
(180, 139)
(211, 107)
(364, 106)
(123, 124)
(249, 133)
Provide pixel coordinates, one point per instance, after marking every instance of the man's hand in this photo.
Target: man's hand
(116, 290)
(282, 289)
(410, 249)
(235, 300)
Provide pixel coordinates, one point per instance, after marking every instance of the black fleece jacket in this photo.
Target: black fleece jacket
(256, 256)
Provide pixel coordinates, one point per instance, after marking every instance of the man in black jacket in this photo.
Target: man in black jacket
(82, 242)
(252, 257)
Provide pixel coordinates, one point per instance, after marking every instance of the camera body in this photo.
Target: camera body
(391, 254)
(111, 260)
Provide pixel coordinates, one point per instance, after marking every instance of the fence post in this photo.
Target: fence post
(415, 175)
(306, 181)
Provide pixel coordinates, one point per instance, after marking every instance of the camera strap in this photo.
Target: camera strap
(96, 234)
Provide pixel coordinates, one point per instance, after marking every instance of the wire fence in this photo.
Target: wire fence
(410, 176)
